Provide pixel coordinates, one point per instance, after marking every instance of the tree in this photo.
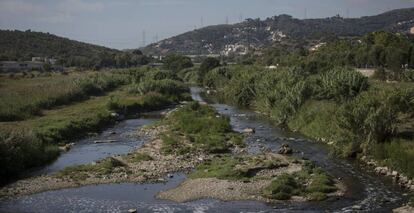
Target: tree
(207, 65)
(177, 62)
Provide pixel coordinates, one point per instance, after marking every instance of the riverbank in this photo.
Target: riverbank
(218, 167)
(35, 141)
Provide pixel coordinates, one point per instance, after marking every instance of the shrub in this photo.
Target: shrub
(20, 150)
(340, 84)
(166, 86)
(282, 187)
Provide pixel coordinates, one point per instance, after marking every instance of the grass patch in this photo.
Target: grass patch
(82, 172)
(65, 123)
(235, 167)
(315, 119)
(203, 127)
(312, 183)
(138, 157)
(24, 98)
(397, 154)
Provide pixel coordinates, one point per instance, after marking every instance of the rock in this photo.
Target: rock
(395, 174)
(285, 150)
(357, 207)
(249, 131)
(112, 133)
(170, 175)
(381, 170)
(132, 211)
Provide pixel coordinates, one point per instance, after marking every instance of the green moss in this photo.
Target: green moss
(203, 127)
(282, 188)
(221, 168)
(235, 167)
(138, 157)
(82, 172)
(312, 183)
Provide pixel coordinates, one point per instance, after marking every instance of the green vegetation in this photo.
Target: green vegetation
(320, 94)
(138, 157)
(411, 201)
(203, 127)
(33, 140)
(235, 167)
(24, 98)
(100, 168)
(22, 46)
(176, 62)
(311, 182)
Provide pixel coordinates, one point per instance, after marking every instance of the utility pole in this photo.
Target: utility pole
(241, 17)
(347, 12)
(305, 14)
(143, 38)
(227, 20)
(202, 22)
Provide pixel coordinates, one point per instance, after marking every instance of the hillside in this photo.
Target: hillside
(256, 33)
(23, 45)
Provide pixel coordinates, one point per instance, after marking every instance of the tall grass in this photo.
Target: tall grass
(24, 98)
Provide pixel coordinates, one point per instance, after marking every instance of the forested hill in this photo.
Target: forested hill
(256, 33)
(23, 45)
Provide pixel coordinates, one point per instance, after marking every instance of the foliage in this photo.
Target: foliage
(311, 182)
(340, 84)
(207, 65)
(203, 127)
(22, 99)
(176, 62)
(373, 116)
(21, 150)
(22, 46)
(82, 172)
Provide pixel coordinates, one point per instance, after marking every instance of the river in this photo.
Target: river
(365, 191)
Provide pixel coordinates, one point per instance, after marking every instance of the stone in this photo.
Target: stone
(357, 207)
(285, 150)
(132, 211)
(170, 175)
(395, 173)
(249, 131)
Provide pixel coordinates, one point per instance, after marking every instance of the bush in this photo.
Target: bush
(22, 150)
(166, 86)
(282, 187)
(340, 84)
(177, 62)
(361, 123)
(207, 65)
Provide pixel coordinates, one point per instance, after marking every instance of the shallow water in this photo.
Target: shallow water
(370, 192)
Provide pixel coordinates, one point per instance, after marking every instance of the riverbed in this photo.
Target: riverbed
(365, 190)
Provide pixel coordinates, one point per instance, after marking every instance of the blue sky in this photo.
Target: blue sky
(120, 23)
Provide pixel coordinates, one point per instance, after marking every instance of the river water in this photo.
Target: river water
(366, 192)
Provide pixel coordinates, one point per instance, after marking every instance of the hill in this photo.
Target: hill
(256, 33)
(23, 45)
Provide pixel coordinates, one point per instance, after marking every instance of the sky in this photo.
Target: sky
(121, 24)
